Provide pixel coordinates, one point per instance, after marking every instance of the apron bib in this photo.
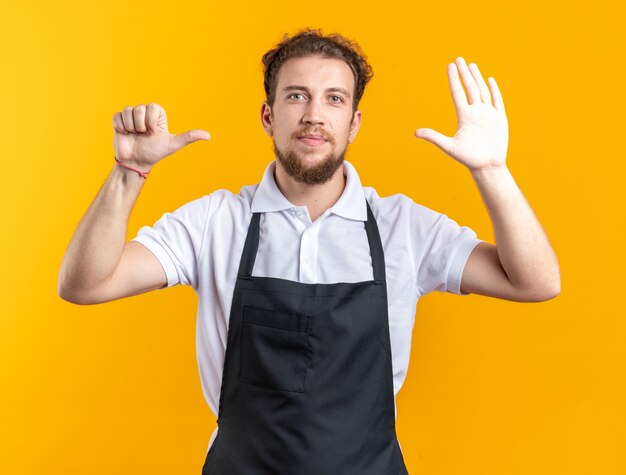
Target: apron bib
(307, 387)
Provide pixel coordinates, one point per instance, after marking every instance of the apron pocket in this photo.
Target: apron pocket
(274, 349)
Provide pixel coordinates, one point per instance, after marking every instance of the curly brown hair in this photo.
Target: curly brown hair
(310, 42)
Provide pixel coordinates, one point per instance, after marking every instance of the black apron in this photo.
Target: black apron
(307, 387)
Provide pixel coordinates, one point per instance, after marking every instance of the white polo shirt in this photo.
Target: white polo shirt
(201, 242)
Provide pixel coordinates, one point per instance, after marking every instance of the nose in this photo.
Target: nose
(313, 114)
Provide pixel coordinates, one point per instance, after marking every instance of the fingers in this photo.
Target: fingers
(181, 140)
(442, 141)
(473, 93)
(127, 118)
(477, 89)
(139, 119)
(458, 95)
(498, 103)
(118, 124)
(152, 114)
(482, 85)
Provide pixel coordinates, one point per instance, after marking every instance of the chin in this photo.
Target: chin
(311, 166)
(312, 158)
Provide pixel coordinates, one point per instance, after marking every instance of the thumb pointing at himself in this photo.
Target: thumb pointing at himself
(178, 141)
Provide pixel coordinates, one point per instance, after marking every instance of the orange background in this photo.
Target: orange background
(494, 387)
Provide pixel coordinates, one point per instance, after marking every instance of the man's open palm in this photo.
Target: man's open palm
(482, 137)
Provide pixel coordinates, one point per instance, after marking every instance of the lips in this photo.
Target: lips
(312, 139)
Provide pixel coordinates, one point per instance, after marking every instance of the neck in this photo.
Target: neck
(317, 198)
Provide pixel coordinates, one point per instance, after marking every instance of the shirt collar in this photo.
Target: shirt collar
(351, 203)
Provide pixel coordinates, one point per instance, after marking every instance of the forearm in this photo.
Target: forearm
(97, 244)
(523, 247)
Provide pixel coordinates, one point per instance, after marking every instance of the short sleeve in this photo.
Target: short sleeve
(176, 240)
(447, 246)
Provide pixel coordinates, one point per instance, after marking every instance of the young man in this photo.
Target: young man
(308, 281)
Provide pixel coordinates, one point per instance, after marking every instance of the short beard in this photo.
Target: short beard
(316, 175)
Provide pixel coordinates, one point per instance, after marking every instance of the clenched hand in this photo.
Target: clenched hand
(142, 137)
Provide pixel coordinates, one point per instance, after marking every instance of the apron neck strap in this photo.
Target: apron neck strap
(376, 246)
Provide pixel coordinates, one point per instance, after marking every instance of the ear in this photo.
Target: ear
(354, 125)
(266, 118)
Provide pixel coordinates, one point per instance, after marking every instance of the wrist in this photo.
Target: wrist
(132, 168)
(126, 176)
(490, 172)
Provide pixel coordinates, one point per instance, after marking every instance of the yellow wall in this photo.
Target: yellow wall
(494, 387)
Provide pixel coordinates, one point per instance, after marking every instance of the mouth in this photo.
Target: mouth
(314, 140)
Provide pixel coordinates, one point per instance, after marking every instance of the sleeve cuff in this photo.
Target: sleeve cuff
(163, 258)
(458, 264)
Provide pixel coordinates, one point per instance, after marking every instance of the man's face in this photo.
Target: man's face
(311, 121)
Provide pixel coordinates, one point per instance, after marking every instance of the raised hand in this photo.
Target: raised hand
(142, 137)
(482, 136)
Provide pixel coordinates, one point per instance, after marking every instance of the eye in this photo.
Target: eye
(294, 94)
(339, 99)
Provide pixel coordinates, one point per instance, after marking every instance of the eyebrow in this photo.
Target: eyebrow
(304, 88)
